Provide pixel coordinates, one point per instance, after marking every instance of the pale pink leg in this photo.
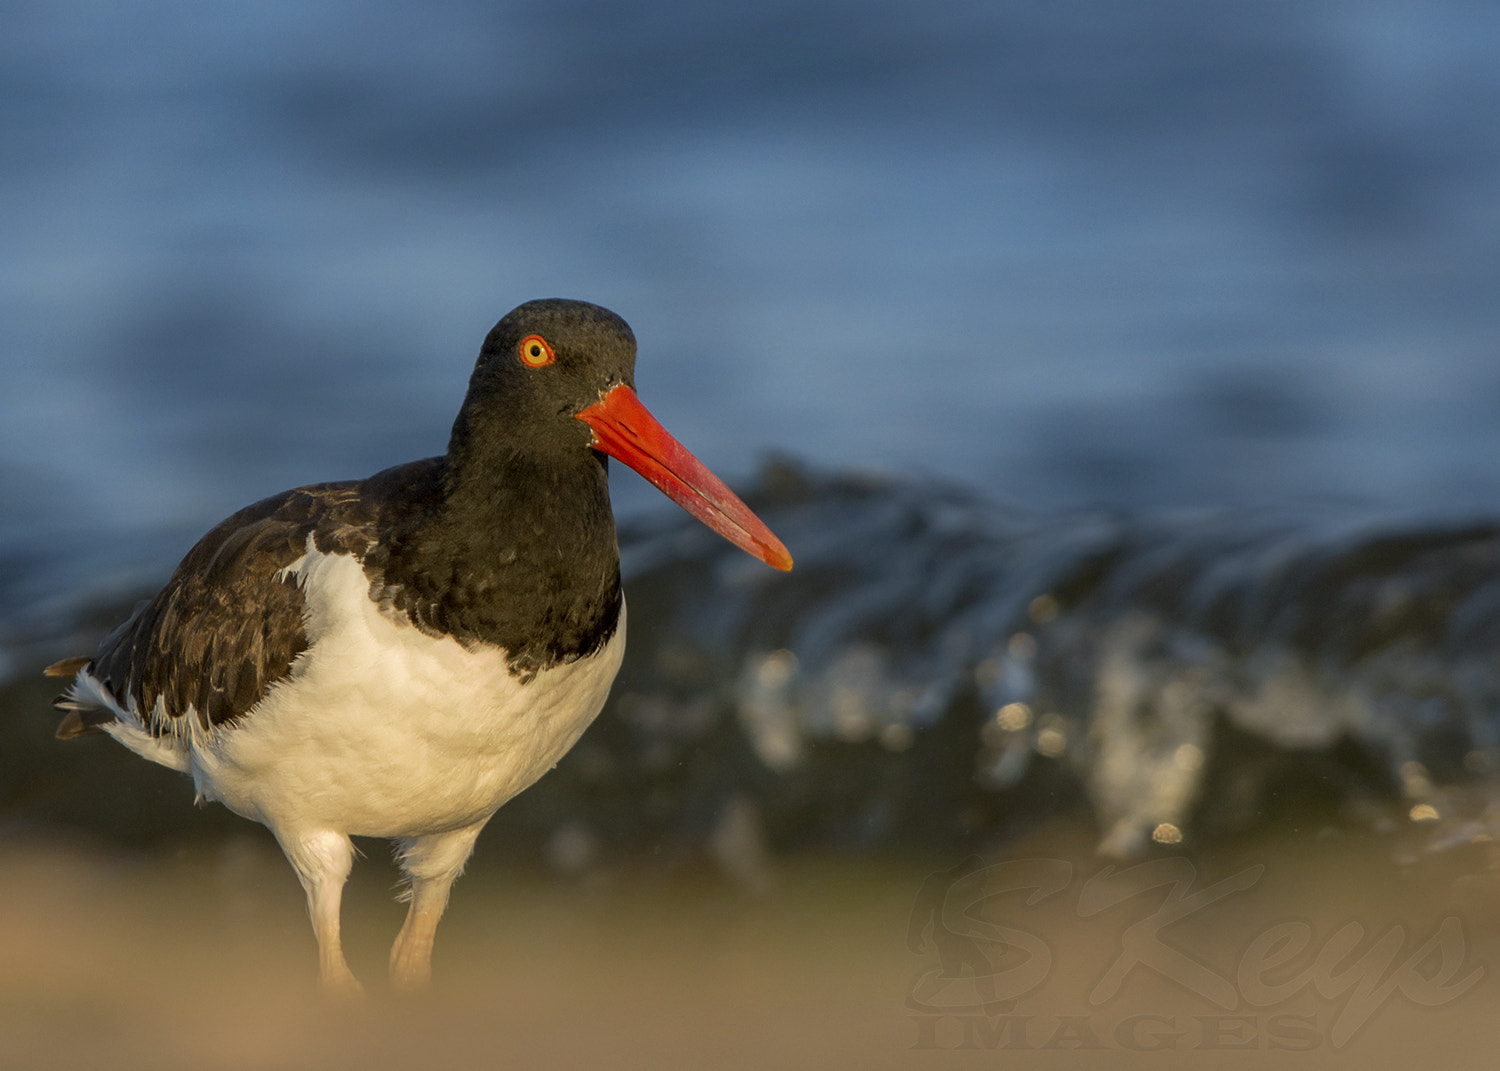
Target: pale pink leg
(322, 861)
(431, 863)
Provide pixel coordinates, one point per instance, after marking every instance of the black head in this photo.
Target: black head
(539, 366)
(553, 392)
(573, 352)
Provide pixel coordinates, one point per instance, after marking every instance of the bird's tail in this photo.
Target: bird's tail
(80, 716)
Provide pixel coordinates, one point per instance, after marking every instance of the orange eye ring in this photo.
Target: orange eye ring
(536, 351)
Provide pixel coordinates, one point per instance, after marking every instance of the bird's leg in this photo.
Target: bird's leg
(322, 861)
(431, 863)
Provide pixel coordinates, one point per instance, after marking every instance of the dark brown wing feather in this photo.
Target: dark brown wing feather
(227, 625)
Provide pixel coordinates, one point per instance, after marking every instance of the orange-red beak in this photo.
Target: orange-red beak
(625, 429)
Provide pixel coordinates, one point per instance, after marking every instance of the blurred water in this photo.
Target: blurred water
(1146, 255)
(941, 673)
(1085, 254)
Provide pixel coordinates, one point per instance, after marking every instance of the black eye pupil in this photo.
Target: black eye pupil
(536, 351)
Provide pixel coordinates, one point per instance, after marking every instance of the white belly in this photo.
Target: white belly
(384, 731)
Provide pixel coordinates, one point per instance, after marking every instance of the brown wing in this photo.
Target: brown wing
(228, 625)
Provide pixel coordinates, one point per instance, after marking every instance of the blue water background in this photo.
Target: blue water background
(1148, 255)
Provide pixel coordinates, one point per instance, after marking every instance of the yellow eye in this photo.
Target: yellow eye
(535, 351)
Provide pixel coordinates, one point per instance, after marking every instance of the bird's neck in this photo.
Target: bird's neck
(519, 553)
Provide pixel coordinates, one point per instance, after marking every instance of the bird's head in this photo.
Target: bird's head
(559, 375)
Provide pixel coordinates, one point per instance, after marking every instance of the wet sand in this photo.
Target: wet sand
(202, 958)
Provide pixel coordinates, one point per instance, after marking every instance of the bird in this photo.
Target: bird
(398, 656)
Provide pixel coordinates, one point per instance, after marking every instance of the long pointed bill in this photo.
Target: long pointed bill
(623, 428)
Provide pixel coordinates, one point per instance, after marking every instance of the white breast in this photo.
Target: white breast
(384, 731)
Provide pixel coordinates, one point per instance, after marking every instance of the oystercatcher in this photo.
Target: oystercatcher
(399, 656)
